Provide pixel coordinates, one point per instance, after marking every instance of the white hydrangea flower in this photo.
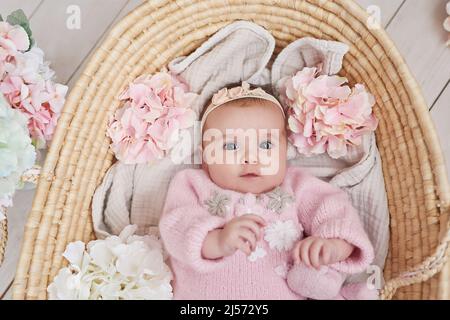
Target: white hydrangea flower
(116, 268)
(281, 235)
(68, 286)
(258, 253)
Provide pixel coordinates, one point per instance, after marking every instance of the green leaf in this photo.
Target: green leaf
(18, 17)
(1, 18)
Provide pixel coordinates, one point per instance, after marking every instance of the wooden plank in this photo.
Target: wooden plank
(28, 6)
(388, 8)
(132, 4)
(8, 294)
(17, 217)
(418, 33)
(63, 45)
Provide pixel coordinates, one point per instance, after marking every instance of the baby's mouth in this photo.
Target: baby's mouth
(249, 175)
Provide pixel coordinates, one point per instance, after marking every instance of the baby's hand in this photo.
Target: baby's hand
(316, 252)
(239, 233)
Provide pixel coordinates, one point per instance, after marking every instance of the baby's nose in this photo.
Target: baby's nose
(250, 158)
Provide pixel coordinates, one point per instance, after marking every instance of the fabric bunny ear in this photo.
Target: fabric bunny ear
(238, 52)
(308, 52)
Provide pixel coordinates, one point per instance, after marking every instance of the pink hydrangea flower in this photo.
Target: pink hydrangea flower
(26, 82)
(13, 39)
(324, 115)
(156, 108)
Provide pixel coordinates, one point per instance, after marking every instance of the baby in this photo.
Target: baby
(247, 226)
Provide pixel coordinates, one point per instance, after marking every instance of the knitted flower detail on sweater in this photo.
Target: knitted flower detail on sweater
(281, 235)
(218, 204)
(278, 199)
(282, 269)
(256, 254)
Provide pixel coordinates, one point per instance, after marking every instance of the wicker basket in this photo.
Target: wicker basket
(159, 30)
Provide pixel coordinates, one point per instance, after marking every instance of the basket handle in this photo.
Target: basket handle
(424, 271)
(32, 176)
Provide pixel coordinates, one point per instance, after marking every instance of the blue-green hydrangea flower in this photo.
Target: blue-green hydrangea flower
(17, 154)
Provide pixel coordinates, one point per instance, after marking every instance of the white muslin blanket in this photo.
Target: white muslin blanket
(242, 51)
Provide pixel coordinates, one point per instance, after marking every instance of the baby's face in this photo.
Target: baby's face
(245, 146)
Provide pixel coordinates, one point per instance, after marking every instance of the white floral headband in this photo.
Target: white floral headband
(225, 95)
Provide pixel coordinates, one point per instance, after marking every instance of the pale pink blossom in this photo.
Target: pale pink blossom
(156, 109)
(324, 114)
(26, 82)
(13, 38)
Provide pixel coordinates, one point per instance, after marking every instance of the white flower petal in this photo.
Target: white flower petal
(101, 254)
(64, 286)
(74, 253)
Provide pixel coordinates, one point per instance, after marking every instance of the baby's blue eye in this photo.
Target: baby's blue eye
(265, 145)
(230, 146)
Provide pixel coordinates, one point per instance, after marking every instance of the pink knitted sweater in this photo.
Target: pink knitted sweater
(302, 206)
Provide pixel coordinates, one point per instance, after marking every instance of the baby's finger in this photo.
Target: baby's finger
(304, 252)
(258, 219)
(249, 236)
(326, 255)
(314, 253)
(253, 226)
(245, 247)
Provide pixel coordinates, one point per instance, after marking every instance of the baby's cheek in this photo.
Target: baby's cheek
(275, 173)
(222, 174)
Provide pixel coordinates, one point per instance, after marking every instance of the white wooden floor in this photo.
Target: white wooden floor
(414, 25)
